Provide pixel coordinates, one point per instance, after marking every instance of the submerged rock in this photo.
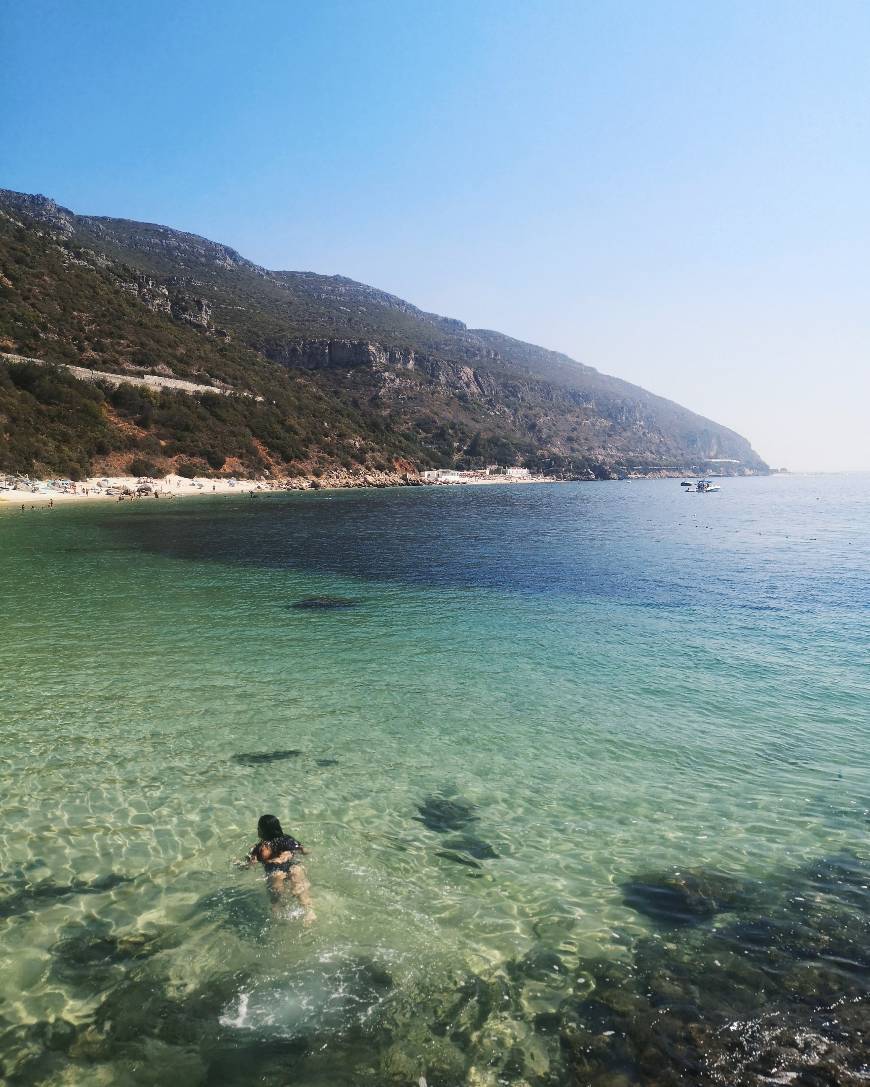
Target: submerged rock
(329, 997)
(458, 858)
(90, 954)
(143, 1007)
(473, 846)
(245, 910)
(465, 1008)
(35, 1053)
(685, 896)
(844, 876)
(29, 896)
(539, 964)
(442, 813)
(766, 1050)
(262, 758)
(319, 1023)
(402, 1064)
(780, 995)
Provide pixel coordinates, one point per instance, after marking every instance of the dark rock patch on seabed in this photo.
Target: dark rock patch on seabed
(442, 813)
(778, 994)
(539, 964)
(472, 845)
(263, 758)
(458, 858)
(843, 875)
(685, 896)
(90, 954)
(34, 1053)
(324, 603)
(174, 1034)
(29, 896)
(781, 995)
(242, 909)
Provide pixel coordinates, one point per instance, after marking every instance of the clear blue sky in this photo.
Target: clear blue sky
(676, 193)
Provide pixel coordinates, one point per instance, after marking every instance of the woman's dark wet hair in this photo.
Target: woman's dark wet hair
(268, 828)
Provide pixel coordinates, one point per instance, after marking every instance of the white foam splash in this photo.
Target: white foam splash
(240, 1020)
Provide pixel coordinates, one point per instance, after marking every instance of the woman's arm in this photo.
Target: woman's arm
(252, 857)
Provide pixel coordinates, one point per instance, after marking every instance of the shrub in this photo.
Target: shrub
(141, 466)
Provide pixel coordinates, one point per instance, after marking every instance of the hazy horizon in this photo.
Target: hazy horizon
(675, 196)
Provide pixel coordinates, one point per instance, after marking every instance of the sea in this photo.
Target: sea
(583, 770)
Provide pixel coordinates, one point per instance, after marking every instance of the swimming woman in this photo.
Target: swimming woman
(277, 852)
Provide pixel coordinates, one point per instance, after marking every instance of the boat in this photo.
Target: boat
(703, 486)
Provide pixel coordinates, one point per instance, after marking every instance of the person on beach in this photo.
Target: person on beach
(277, 852)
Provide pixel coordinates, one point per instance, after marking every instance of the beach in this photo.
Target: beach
(136, 488)
(121, 488)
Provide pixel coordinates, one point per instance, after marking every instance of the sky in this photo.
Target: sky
(675, 193)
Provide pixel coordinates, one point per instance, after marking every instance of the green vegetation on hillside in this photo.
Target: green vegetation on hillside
(51, 424)
(62, 305)
(54, 424)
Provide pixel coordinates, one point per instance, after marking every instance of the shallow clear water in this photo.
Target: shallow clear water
(595, 683)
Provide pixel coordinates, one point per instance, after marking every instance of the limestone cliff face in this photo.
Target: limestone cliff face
(195, 311)
(154, 296)
(41, 210)
(613, 427)
(452, 377)
(173, 299)
(326, 354)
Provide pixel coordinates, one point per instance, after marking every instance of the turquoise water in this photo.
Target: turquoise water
(559, 742)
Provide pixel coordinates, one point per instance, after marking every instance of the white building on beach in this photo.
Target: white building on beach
(490, 473)
(444, 475)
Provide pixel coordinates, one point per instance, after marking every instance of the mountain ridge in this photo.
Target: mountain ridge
(421, 386)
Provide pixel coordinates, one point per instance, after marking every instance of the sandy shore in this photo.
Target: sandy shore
(133, 488)
(125, 488)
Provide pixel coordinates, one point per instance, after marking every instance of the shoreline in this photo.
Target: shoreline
(124, 489)
(171, 487)
(128, 488)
